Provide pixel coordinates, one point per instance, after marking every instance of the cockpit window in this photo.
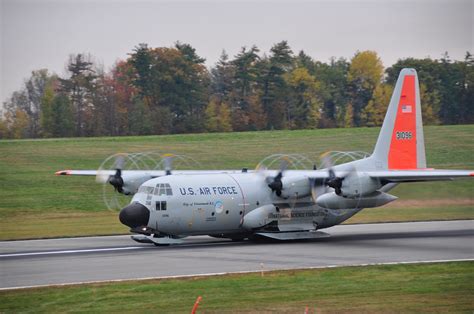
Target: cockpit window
(163, 189)
(145, 189)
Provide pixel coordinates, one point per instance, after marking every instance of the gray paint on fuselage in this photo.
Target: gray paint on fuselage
(218, 203)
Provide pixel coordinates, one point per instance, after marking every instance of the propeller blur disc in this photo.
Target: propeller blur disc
(329, 161)
(120, 163)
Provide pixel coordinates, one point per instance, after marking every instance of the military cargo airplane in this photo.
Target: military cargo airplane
(283, 204)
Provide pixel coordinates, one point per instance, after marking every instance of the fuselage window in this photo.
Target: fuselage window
(158, 188)
(145, 189)
(160, 205)
(163, 189)
(168, 189)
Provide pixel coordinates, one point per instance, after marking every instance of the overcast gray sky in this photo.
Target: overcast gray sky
(39, 34)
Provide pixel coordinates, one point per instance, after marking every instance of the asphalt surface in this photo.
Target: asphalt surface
(74, 260)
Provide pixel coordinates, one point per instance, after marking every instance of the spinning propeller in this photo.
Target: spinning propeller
(334, 181)
(125, 172)
(282, 185)
(275, 184)
(116, 180)
(352, 189)
(168, 163)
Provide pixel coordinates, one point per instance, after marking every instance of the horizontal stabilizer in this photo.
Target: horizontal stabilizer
(419, 175)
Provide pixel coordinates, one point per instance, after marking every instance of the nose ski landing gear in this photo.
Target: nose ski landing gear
(294, 235)
(157, 240)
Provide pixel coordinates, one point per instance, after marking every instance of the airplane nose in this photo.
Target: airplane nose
(134, 215)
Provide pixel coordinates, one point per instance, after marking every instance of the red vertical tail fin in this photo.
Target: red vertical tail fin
(401, 142)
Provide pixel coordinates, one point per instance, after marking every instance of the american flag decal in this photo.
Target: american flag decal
(406, 108)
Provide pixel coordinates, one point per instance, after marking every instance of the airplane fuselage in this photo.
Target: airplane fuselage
(223, 204)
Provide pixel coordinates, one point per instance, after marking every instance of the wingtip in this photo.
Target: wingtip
(63, 172)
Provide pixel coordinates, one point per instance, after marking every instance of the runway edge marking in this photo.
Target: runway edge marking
(111, 249)
(71, 251)
(236, 272)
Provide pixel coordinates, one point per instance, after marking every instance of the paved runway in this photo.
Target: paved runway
(58, 261)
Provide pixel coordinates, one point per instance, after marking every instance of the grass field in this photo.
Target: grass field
(35, 203)
(427, 288)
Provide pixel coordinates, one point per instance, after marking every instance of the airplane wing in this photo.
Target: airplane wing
(398, 176)
(152, 173)
(322, 174)
(81, 172)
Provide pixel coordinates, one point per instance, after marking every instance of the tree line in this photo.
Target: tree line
(169, 90)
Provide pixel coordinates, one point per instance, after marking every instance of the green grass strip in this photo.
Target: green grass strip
(420, 288)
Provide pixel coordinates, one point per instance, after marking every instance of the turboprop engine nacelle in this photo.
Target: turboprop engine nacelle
(359, 184)
(131, 182)
(258, 217)
(295, 187)
(334, 201)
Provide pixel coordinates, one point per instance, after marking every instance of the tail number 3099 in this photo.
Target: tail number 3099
(404, 135)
